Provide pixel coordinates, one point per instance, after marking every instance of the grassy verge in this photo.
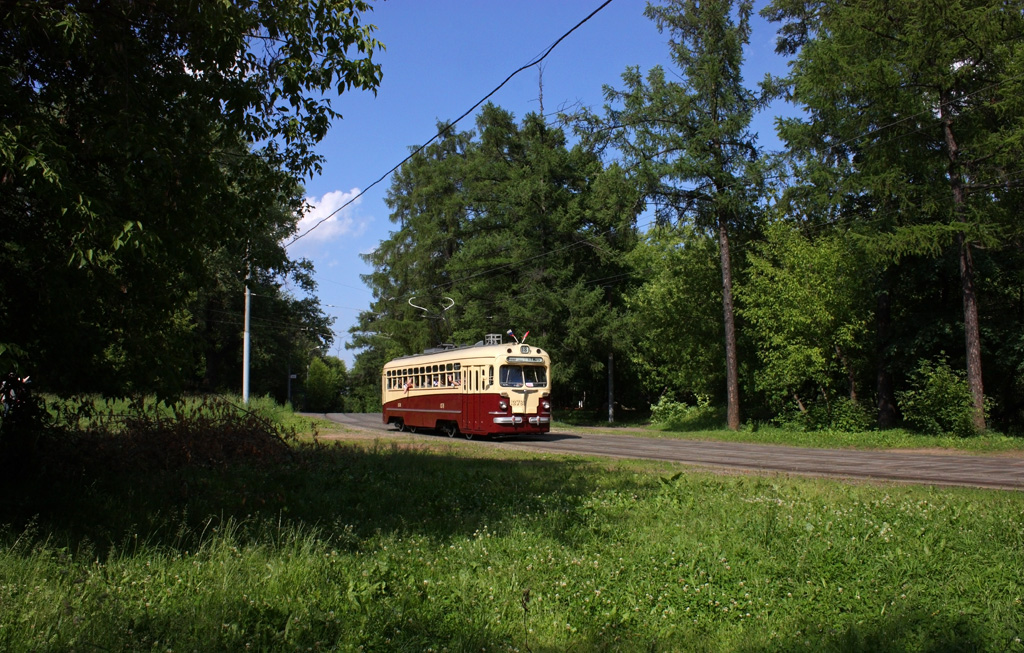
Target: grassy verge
(990, 442)
(891, 439)
(426, 546)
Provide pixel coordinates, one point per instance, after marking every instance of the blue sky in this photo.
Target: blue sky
(442, 57)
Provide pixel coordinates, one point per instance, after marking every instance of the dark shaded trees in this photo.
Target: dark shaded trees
(127, 174)
(915, 126)
(511, 229)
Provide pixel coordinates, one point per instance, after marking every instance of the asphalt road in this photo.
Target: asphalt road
(1001, 472)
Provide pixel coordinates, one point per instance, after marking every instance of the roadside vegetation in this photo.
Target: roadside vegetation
(240, 537)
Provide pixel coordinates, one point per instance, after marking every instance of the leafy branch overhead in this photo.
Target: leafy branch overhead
(146, 143)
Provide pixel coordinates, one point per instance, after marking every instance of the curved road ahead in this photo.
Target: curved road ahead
(1002, 472)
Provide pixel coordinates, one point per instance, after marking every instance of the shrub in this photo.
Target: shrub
(324, 385)
(680, 414)
(842, 415)
(849, 416)
(939, 400)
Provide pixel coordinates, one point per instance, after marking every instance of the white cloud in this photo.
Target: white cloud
(340, 223)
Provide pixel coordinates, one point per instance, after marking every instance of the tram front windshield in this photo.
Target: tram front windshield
(516, 376)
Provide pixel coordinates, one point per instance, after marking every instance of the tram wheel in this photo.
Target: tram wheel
(411, 429)
(469, 436)
(400, 425)
(451, 429)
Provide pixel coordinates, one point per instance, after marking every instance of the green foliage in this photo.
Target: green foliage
(326, 381)
(676, 313)
(839, 415)
(848, 416)
(687, 143)
(388, 548)
(150, 156)
(507, 228)
(912, 116)
(680, 416)
(807, 304)
(938, 400)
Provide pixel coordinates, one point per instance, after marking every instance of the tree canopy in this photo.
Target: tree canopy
(504, 228)
(148, 150)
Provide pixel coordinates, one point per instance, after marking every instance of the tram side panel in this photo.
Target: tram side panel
(476, 413)
(423, 410)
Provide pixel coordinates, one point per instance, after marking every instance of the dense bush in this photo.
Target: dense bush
(680, 415)
(325, 384)
(939, 400)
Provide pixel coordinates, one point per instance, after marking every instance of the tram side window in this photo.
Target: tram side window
(490, 376)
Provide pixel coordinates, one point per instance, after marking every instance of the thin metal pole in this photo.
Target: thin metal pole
(245, 345)
(611, 387)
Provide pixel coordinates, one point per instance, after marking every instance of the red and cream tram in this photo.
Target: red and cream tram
(490, 388)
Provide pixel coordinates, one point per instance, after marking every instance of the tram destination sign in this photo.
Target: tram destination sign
(525, 359)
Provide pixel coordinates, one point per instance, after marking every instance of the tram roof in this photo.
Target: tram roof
(445, 352)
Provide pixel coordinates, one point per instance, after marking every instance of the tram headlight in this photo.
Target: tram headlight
(502, 405)
(546, 405)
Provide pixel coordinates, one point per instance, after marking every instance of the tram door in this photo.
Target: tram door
(471, 397)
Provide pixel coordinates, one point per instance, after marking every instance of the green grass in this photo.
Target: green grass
(989, 442)
(428, 546)
(890, 439)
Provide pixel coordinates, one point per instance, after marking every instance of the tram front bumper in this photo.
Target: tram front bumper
(516, 420)
(509, 420)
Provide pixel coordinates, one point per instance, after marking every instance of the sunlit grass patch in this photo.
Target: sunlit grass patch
(890, 439)
(452, 545)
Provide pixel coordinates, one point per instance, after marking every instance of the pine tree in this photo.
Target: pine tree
(915, 112)
(687, 144)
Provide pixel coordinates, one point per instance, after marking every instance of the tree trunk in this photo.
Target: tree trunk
(972, 334)
(883, 378)
(731, 366)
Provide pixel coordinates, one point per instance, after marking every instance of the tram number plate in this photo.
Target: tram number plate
(518, 402)
(442, 406)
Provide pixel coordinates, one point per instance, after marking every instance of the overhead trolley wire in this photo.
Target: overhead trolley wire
(453, 123)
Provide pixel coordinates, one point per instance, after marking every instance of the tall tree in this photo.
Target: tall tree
(126, 136)
(921, 102)
(410, 278)
(511, 229)
(548, 228)
(688, 143)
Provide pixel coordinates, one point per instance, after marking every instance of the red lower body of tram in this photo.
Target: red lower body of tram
(467, 414)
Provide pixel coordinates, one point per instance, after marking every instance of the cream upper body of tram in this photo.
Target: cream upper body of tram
(491, 388)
